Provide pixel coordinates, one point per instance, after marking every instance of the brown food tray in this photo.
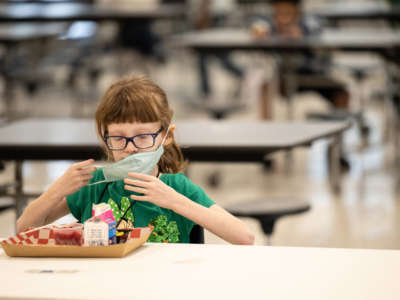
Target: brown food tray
(118, 250)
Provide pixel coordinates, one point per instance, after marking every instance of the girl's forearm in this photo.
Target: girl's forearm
(216, 220)
(52, 205)
(38, 211)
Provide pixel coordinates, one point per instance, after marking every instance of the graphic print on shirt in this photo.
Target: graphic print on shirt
(164, 231)
(119, 212)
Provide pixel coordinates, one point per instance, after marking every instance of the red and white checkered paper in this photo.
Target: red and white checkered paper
(45, 236)
(36, 236)
(139, 232)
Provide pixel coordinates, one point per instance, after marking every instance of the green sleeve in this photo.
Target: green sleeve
(192, 191)
(184, 186)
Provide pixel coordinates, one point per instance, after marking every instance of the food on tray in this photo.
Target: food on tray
(68, 236)
(124, 224)
(122, 235)
(40, 242)
(99, 230)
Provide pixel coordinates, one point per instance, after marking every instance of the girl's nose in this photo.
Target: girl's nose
(130, 147)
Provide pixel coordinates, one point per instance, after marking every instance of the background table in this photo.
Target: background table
(384, 43)
(188, 271)
(14, 36)
(216, 40)
(221, 141)
(339, 10)
(50, 12)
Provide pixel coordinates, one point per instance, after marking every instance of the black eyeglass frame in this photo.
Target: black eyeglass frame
(131, 139)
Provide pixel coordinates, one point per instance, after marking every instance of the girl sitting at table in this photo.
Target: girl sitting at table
(134, 123)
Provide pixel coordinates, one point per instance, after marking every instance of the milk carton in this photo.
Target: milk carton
(95, 232)
(103, 211)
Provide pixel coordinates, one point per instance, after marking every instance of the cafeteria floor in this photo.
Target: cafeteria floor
(365, 215)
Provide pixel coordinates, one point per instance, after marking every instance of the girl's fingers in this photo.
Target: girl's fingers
(86, 177)
(140, 198)
(90, 169)
(87, 170)
(84, 163)
(86, 182)
(81, 184)
(135, 189)
(138, 183)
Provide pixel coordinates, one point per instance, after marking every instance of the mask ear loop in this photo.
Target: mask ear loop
(165, 136)
(162, 143)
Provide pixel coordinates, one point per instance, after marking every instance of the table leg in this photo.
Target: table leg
(389, 109)
(8, 94)
(9, 99)
(334, 163)
(396, 158)
(290, 82)
(268, 242)
(290, 86)
(20, 200)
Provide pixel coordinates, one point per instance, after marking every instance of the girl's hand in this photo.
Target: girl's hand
(75, 177)
(152, 188)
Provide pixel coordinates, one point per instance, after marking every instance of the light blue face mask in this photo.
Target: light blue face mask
(143, 163)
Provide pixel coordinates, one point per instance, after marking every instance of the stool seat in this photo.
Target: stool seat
(268, 211)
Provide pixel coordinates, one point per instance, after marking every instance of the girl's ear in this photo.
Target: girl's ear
(170, 138)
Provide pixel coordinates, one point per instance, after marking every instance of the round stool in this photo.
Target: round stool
(268, 211)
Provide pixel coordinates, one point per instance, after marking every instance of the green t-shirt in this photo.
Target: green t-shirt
(80, 203)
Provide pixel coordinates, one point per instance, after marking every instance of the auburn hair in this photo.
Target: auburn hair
(138, 99)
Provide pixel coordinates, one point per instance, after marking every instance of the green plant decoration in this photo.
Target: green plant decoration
(119, 212)
(164, 232)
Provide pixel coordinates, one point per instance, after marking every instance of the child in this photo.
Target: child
(134, 123)
(288, 21)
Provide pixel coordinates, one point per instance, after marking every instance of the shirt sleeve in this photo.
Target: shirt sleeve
(184, 186)
(193, 191)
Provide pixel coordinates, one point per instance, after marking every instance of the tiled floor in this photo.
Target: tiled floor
(365, 215)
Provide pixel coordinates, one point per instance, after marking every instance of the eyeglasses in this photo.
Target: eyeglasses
(140, 141)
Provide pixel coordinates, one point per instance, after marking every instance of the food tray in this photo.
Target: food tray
(117, 250)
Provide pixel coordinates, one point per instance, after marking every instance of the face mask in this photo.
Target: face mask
(143, 163)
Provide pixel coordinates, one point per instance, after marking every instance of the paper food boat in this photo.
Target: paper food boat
(40, 242)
